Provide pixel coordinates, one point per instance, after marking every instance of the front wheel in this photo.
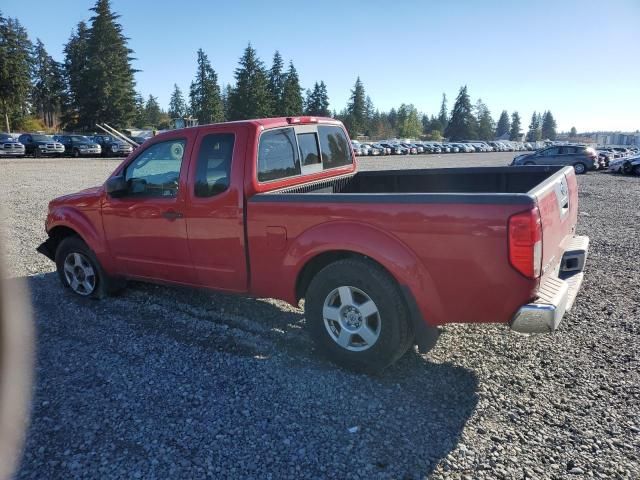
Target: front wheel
(357, 316)
(580, 168)
(76, 153)
(79, 269)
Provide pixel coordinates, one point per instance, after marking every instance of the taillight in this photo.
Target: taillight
(525, 242)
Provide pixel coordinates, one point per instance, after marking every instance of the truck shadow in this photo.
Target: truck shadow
(203, 374)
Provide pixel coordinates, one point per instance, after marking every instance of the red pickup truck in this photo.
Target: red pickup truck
(276, 208)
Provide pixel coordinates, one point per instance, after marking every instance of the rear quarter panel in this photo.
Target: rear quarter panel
(453, 257)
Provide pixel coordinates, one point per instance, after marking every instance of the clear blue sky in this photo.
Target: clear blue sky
(580, 59)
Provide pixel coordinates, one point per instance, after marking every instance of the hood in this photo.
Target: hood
(84, 198)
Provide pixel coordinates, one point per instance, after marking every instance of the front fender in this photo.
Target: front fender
(382, 247)
(87, 224)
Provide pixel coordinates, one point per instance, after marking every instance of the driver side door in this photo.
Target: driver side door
(145, 225)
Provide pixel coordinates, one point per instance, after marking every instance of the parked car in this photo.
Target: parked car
(370, 252)
(37, 144)
(10, 146)
(78, 145)
(384, 150)
(411, 149)
(581, 157)
(628, 166)
(111, 146)
(395, 148)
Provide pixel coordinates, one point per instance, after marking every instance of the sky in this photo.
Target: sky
(578, 59)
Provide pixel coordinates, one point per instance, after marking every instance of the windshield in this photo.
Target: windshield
(42, 138)
(79, 138)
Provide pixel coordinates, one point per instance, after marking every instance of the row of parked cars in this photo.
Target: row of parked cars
(584, 158)
(39, 145)
(394, 147)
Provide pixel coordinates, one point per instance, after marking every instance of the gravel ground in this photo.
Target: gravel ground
(164, 382)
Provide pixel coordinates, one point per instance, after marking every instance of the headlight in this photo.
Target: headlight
(114, 148)
(43, 147)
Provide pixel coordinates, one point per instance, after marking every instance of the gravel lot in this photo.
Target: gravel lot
(164, 382)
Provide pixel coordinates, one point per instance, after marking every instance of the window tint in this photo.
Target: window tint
(155, 172)
(309, 151)
(214, 164)
(278, 155)
(551, 151)
(569, 150)
(334, 146)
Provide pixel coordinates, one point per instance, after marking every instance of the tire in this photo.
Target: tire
(76, 153)
(76, 263)
(334, 312)
(580, 168)
(636, 170)
(627, 168)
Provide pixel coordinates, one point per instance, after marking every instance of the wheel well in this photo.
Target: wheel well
(320, 261)
(57, 234)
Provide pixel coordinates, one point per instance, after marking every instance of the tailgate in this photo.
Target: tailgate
(557, 199)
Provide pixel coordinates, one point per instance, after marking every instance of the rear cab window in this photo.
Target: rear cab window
(301, 150)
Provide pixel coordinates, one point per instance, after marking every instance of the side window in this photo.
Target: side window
(550, 152)
(214, 164)
(309, 151)
(156, 171)
(334, 147)
(278, 155)
(569, 150)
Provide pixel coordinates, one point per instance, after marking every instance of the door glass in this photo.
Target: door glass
(278, 155)
(309, 151)
(214, 164)
(156, 171)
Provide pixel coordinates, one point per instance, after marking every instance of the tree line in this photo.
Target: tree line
(95, 83)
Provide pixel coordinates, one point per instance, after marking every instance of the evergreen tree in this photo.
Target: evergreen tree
(250, 98)
(152, 111)
(226, 94)
(515, 133)
(108, 76)
(140, 116)
(48, 87)
(548, 126)
(573, 133)
(204, 93)
(177, 104)
(75, 64)
(533, 134)
(291, 93)
(323, 100)
(504, 124)
(356, 120)
(15, 71)
(276, 85)
(462, 122)
(409, 123)
(486, 125)
(443, 116)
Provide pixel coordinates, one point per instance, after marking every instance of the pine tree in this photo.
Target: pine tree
(504, 124)
(515, 133)
(250, 98)
(291, 93)
(75, 63)
(443, 116)
(357, 110)
(15, 71)
(323, 101)
(204, 93)
(276, 84)
(462, 122)
(533, 134)
(486, 125)
(108, 76)
(152, 111)
(548, 126)
(226, 94)
(177, 104)
(573, 133)
(48, 86)
(140, 116)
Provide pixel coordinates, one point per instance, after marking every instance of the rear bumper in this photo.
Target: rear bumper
(557, 294)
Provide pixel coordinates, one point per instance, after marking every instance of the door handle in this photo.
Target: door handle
(172, 215)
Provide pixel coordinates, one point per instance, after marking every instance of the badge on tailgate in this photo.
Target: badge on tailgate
(562, 196)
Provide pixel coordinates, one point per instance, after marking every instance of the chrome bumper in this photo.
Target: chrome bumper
(556, 295)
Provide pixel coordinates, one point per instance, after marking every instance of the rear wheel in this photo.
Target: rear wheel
(580, 168)
(636, 170)
(627, 168)
(79, 269)
(357, 316)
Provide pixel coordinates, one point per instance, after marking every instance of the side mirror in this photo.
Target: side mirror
(116, 186)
